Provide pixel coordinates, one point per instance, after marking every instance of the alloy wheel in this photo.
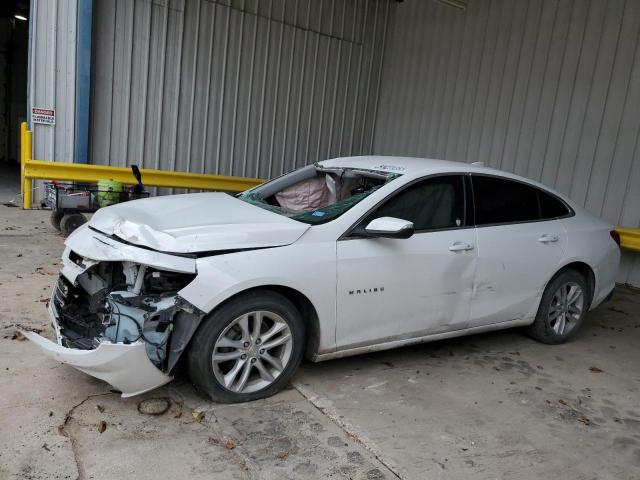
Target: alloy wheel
(566, 308)
(252, 351)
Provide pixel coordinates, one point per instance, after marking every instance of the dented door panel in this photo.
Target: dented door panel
(514, 265)
(401, 288)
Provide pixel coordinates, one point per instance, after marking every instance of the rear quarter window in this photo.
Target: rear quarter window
(551, 207)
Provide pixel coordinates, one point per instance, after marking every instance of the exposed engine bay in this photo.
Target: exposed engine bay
(123, 302)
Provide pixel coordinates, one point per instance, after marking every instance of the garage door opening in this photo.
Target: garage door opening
(14, 36)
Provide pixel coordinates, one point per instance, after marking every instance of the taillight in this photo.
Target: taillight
(616, 236)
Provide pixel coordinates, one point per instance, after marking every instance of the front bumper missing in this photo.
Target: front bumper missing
(125, 366)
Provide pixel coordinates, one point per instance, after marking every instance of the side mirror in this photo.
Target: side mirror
(389, 227)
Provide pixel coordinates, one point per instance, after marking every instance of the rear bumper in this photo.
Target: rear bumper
(125, 366)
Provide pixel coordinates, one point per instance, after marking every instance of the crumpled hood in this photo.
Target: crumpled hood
(196, 222)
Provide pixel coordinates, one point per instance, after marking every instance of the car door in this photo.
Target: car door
(389, 288)
(520, 246)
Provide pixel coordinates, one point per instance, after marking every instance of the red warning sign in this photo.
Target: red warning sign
(43, 115)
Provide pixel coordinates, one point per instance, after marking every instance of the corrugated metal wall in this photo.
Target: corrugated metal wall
(546, 88)
(52, 73)
(253, 87)
(549, 89)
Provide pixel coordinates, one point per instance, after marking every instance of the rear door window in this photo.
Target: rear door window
(498, 200)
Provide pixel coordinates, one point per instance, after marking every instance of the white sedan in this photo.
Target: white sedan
(342, 257)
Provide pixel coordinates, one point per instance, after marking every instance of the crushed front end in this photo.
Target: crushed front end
(121, 321)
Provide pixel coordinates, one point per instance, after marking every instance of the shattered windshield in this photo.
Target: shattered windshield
(316, 194)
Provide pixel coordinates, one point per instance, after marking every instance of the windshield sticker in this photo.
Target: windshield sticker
(318, 213)
(392, 168)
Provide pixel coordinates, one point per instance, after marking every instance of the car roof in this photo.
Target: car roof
(417, 167)
(410, 165)
(403, 165)
(413, 166)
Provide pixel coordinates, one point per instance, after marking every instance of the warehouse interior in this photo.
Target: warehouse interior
(14, 35)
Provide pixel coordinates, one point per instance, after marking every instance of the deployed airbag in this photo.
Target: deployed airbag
(306, 195)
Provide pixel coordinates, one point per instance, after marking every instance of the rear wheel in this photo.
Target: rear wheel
(56, 216)
(71, 221)
(562, 309)
(247, 349)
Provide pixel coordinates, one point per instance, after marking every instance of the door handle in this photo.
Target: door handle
(545, 238)
(460, 247)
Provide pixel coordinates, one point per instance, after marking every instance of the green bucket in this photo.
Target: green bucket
(109, 192)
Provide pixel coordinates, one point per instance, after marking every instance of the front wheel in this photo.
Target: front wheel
(562, 309)
(247, 349)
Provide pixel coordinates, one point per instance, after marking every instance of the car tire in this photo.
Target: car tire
(56, 217)
(71, 221)
(563, 306)
(225, 334)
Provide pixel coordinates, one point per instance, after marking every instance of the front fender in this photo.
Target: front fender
(221, 277)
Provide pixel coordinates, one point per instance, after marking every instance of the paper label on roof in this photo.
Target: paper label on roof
(390, 168)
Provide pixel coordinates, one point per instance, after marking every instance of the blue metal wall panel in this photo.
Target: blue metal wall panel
(83, 80)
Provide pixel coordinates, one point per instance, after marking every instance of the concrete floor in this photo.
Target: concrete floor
(496, 405)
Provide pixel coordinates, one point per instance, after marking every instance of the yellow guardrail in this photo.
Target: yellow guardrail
(38, 169)
(629, 238)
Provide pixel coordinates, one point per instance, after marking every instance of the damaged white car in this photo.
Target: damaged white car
(342, 257)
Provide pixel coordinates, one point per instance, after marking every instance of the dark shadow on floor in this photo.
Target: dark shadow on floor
(10, 182)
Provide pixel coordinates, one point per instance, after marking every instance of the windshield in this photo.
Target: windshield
(315, 194)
